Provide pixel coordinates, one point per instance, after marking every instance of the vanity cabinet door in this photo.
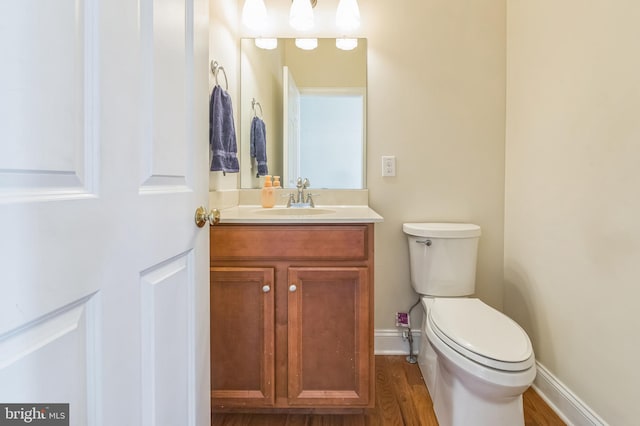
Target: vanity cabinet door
(329, 339)
(242, 337)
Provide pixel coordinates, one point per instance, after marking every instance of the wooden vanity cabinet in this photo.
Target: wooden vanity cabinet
(242, 324)
(292, 317)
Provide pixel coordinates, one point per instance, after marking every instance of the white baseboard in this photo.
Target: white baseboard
(571, 409)
(391, 342)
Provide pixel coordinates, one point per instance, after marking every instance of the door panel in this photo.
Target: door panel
(48, 85)
(291, 129)
(167, 335)
(165, 31)
(30, 362)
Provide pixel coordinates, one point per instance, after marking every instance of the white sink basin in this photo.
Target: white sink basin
(327, 213)
(306, 211)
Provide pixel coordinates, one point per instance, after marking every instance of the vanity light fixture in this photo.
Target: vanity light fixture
(254, 14)
(307, 43)
(301, 15)
(348, 15)
(266, 43)
(346, 43)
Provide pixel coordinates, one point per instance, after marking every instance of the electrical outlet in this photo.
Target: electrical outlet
(388, 165)
(403, 319)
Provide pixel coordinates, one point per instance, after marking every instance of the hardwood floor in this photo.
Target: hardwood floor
(401, 400)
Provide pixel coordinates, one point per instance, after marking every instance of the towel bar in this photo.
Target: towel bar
(215, 68)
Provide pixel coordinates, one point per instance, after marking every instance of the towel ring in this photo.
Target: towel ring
(215, 68)
(255, 104)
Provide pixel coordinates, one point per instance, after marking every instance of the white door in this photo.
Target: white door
(291, 128)
(103, 159)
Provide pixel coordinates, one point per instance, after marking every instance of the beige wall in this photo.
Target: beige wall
(572, 228)
(327, 66)
(436, 99)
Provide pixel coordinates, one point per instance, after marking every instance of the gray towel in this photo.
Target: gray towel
(222, 133)
(259, 145)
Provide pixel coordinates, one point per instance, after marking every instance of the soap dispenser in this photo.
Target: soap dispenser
(276, 187)
(267, 195)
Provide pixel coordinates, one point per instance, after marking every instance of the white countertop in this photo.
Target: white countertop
(283, 215)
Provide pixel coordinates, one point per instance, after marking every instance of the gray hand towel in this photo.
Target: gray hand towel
(222, 133)
(259, 145)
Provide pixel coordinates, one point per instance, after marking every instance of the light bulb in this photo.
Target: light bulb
(346, 43)
(254, 14)
(307, 43)
(301, 15)
(266, 43)
(348, 15)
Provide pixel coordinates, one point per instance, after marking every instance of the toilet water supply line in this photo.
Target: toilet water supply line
(411, 358)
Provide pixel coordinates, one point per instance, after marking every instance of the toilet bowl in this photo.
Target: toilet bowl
(481, 363)
(476, 361)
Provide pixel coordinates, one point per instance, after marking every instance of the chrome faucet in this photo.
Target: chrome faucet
(301, 185)
(299, 198)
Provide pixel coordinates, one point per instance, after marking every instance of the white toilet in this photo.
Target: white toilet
(476, 361)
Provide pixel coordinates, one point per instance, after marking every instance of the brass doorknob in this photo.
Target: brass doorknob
(202, 216)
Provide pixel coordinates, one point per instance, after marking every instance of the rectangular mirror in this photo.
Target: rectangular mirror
(313, 106)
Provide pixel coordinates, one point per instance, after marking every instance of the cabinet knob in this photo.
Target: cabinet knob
(266, 288)
(292, 288)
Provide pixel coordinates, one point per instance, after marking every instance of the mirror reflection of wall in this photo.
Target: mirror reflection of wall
(331, 82)
(331, 126)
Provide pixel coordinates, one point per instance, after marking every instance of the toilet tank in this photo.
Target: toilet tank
(442, 257)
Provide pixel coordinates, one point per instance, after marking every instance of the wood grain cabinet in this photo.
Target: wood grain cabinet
(292, 317)
(242, 324)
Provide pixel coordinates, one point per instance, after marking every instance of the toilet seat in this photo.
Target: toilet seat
(481, 333)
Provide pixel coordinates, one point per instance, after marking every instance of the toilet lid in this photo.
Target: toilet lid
(481, 333)
(442, 230)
